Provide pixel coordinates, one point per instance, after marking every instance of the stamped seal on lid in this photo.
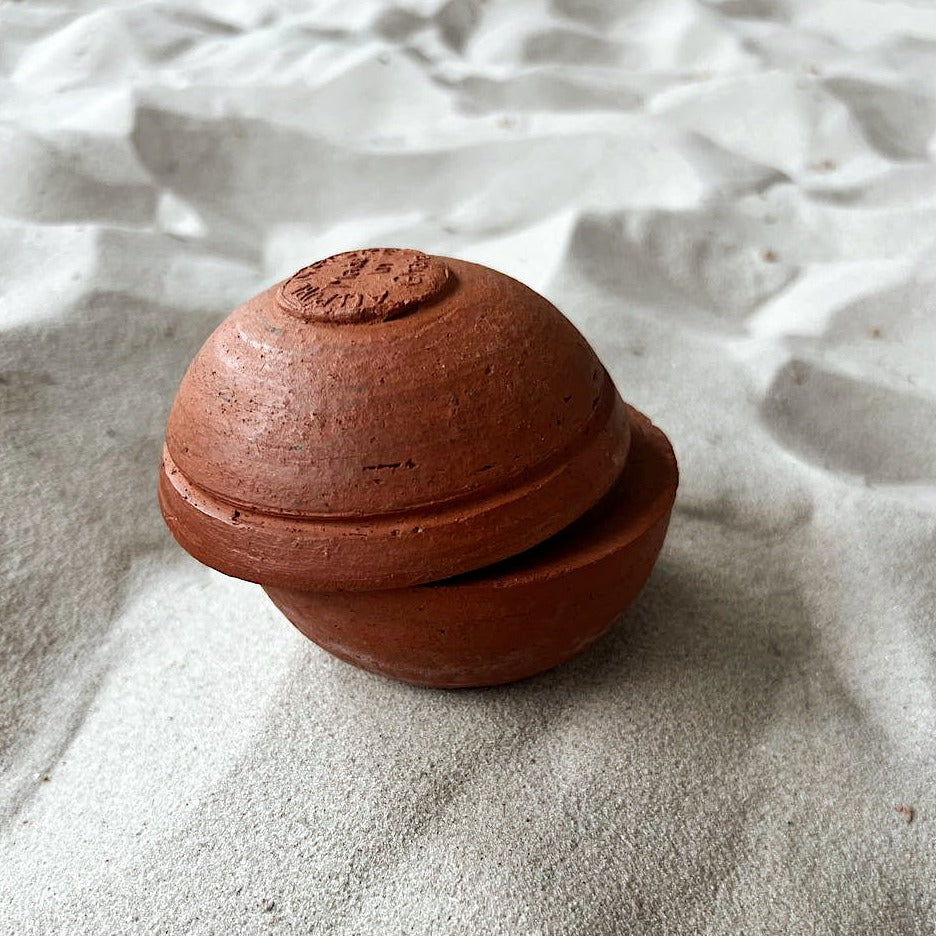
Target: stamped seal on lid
(359, 286)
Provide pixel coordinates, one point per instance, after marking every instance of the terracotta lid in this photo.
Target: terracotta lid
(384, 418)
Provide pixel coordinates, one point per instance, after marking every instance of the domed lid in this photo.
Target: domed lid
(382, 418)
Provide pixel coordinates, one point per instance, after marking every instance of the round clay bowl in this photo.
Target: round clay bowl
(519, 617)
(386, 418)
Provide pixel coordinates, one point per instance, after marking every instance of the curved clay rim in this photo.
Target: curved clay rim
(644, 491)
(518, 617)
(396, 550)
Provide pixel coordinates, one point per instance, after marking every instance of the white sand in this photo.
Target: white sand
(736, 203)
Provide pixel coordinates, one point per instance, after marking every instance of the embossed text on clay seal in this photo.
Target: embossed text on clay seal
(363, 285)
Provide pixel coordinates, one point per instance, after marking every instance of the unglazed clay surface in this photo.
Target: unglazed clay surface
(521, 616)
(363, 285)
(384, 418)
(423, 463)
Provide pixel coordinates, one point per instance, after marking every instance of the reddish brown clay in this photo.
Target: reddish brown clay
(423, 463)
(385, 418)
(517, 618)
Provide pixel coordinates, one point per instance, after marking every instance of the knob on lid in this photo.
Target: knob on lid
(385, 418)
(363, 285)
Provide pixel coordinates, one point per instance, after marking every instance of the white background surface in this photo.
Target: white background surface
(735, 202)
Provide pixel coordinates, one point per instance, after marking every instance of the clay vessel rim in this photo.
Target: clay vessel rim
(508, 488)
(632, 510)
(441, 512)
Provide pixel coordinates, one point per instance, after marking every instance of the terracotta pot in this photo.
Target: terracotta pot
(385, 418)
(519, 617)
(423, 463)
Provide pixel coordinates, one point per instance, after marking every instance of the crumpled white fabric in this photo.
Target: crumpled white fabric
(735, 202)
